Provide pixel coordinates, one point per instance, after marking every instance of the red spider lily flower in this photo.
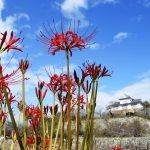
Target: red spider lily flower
(55, 83)
(46, 108)
(64, 82)
(10, 79)
(34, 116)
(64, 41)
(33, 112)
(3, 116)
(75, 102)
(55, 109)
(11, 43)
(95, 71)
(1, 97)
(20, 105)
(30, 140)
(47, 141)
(41, 85)
(104, 72)
(12, 134)
(79, 82)
(11, 97)
(34, 122)
(117, 148)
(39, 139)
(23, 65)
(86, 86)
(39, 93)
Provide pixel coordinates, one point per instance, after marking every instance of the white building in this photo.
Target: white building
(126, 105)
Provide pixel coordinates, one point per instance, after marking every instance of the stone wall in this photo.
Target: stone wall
(141, 143)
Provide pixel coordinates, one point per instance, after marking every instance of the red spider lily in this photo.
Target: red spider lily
(10, 79)
(46, 108)
(23, 65)
(12, 134)
(34, 122)
(3, 116)
(61, 83)
(79, 82)
(11, 97)
(55, 109)
(39, 139)
(117, 148)
(75, 102)
(64, 82)
(20, 105)
(86, 86)
(11, 43)
(47, 141)
(1, 97)
(55, 83)
(41, 85)
(64, 41)
(39, 93)
(95, 71)
(30, 140)
(33, 112)
(34, 115)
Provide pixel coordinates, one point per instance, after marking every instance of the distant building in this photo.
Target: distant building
(126, 105)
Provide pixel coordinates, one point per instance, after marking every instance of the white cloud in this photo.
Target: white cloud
(72, 8)
(97, 2)
(22, 16)
(119, 37)
(1, 5)
(139, 90)
(8, 23)
(96, 46)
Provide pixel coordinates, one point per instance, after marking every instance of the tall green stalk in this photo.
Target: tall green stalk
(69, 102)
(4, 142)
(62, 128)
(24, 117)
(52, 124)
(35, 144)
(92, 118)
(87, 125)
(13, 121)
(58, 127)
(43, 125)
(78, 119)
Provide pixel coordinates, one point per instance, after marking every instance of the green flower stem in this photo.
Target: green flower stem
(24, 117)
(12, 145)
(58, 127)
(13, 121)
(69, 102)
(52, 124)
(46, 124)
(87, 127)
(62, 128)
(92, 118)
(4, 129)
(43, 125)
(1, 120)
(35, 144)
(78, 120)
(12, 117)
(19, 118)
(87, 101)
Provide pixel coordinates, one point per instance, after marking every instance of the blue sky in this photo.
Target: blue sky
(122, 41)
